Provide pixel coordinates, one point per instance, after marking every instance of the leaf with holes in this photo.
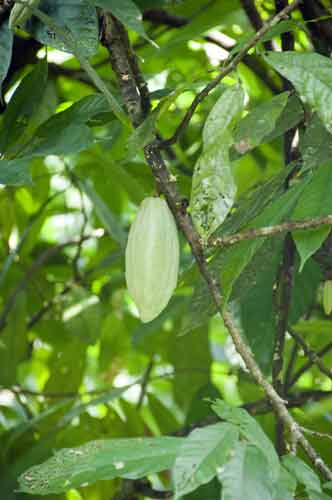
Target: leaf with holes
(100, 460)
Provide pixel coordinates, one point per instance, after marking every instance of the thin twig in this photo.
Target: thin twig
(322, 435)
(267, 231)
(310, 353)
(290, 366)
(308, 364)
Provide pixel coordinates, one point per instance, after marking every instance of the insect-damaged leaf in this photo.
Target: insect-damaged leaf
(213, 187)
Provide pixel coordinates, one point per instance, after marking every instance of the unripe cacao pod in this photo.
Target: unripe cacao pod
(20, 13)
(327, 297)
(152, 258)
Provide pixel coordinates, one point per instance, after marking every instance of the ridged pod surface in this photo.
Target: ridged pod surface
(152, 258)
(327, 297)
(20, 13)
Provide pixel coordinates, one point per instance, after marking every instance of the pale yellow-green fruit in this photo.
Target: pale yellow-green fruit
(327, 297)
(152, 258)
(20, 13)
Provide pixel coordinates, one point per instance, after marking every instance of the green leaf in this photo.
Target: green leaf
(213, 189)
(65, 132)
(202, 453)
(65, 372)
(100, 460)
(109, 220)
(14, 342)
(285, 486)
(259, 123)
(79, 409)
(164, 417)
(223, 115)
(246, 475)
(126, 11)
(314, 327)
(310, 74)
(252, 431)
(69, 140)
(15, 172)
(6, 45)
(291, 115)
(23, 106)
(303, 473)
(315, 201)
(316, 144)
(256, 302)
(304, 290)
(76, 16)
(188, 371)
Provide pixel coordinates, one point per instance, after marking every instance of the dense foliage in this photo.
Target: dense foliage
(224, 109)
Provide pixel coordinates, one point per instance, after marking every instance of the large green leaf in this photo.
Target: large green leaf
(259, 123)
(100, 460)
(76, 16)
(6, 44)
(246, 475)
(200, 456)
(69, 140)
(254, 291)
(252, 431)
(310, 74)
(315, 201)
(65, 132)
(213, 187)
